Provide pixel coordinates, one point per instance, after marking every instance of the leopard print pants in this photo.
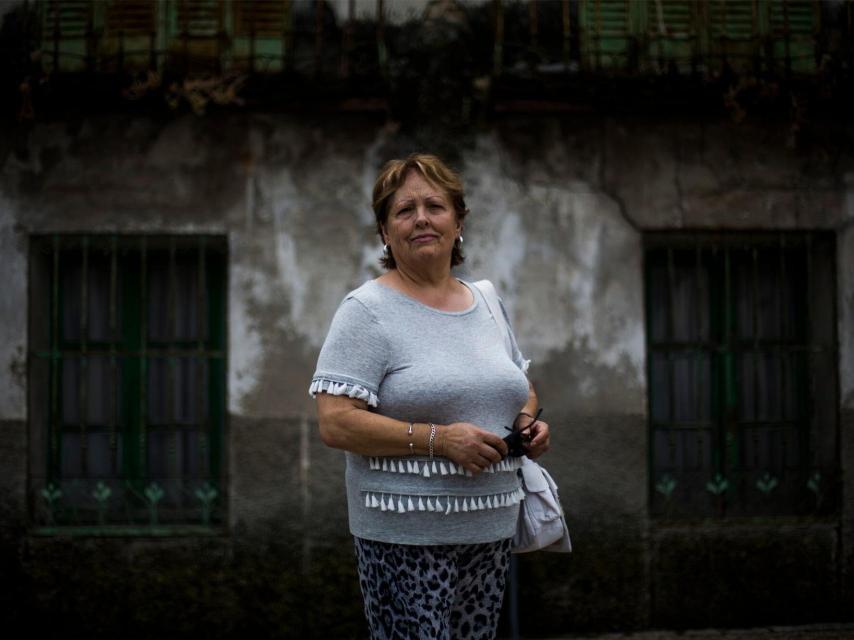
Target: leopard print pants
(442, 592)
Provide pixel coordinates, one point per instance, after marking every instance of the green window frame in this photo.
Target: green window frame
(127, 383)
(742, 371)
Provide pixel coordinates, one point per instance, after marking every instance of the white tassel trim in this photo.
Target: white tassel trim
(427, 468)
(398, 503)
(324, 385)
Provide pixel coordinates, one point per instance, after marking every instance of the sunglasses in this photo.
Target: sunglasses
(516, 439)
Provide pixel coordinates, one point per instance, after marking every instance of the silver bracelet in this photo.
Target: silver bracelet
(432, 440)
(411, 446)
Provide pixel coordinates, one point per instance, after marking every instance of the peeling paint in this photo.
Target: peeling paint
(845, 283)
(566, 262)
(546, 223)
(245, 337)
(13, 327)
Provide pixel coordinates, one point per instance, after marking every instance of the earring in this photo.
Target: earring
(385, 250)
(461, 240)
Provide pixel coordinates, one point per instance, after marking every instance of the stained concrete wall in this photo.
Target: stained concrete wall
(559, 206)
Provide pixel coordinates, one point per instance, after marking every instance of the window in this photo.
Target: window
(127, 381)
(741, 363)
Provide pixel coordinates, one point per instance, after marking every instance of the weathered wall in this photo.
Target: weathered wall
(558, 209)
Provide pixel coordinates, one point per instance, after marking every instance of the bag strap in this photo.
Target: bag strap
(490, 297)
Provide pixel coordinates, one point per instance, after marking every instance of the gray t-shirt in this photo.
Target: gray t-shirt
(415, 363)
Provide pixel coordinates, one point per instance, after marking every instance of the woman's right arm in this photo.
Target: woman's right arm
(345, 423)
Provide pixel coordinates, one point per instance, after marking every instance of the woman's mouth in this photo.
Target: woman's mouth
(422, 239)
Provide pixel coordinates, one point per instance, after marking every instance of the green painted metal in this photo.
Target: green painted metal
(767, 483)
(608, 29)
(646, 36)
(792, 27)
(114, 369)
(753, 421)
(52, 462)
(130, 493)
(83, 380)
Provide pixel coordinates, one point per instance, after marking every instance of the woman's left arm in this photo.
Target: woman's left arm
(539, 443)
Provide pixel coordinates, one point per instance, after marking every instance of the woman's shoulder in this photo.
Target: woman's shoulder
(369, 294)
(366, 301)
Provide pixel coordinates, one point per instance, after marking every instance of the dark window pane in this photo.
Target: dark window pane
(70, 271)
(770, 287)
(692, 388)
(160, 387)
(92, 456)
(666, 449)
(174, 290)
(103, 385)
(102, 457)
(690, 302)
(98, 299)
(744, 293)
(177, 390)
(696, 444)
(72, 458)
(746, 374)
(768, 397)
(682, 449)
(70, 390)
(768, 294)
(191, 390)
(173, 453)
(768, 386)
(187, 290)
(770, 448)
(658, 302)
(660, 388)
(794, 385)
(158, 296)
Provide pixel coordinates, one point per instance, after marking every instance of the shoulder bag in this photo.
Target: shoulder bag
(541, 525)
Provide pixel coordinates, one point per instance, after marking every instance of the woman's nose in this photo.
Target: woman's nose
(421, 214)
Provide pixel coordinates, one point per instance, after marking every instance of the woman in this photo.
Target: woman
(414, 382)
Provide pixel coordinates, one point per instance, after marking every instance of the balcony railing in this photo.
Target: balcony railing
(505, 36)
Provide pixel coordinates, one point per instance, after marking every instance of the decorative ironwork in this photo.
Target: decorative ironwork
(767, 483)
(128, 349)
(718, 485)
(263, 36)
(741, 338)
(666, 485)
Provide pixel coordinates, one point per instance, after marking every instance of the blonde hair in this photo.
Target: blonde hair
(393, 175)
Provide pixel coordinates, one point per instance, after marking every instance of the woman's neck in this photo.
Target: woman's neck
(424, 279)
(438, 290)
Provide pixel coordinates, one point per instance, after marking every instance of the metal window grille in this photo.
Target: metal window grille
(742, 374)
(127, 379)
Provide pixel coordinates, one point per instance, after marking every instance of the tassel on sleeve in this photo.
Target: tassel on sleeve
(325, 385)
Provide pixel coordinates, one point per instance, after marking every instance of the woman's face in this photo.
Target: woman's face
(422, 224)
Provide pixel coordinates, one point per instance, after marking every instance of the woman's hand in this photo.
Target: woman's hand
(538, 433)
(470, 446)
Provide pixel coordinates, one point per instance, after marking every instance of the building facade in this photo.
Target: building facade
(668, 218)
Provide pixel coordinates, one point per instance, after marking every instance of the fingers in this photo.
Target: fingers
(539, 432)
(496, 443)
(472, 447)
(486, 453)
(540, 440)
